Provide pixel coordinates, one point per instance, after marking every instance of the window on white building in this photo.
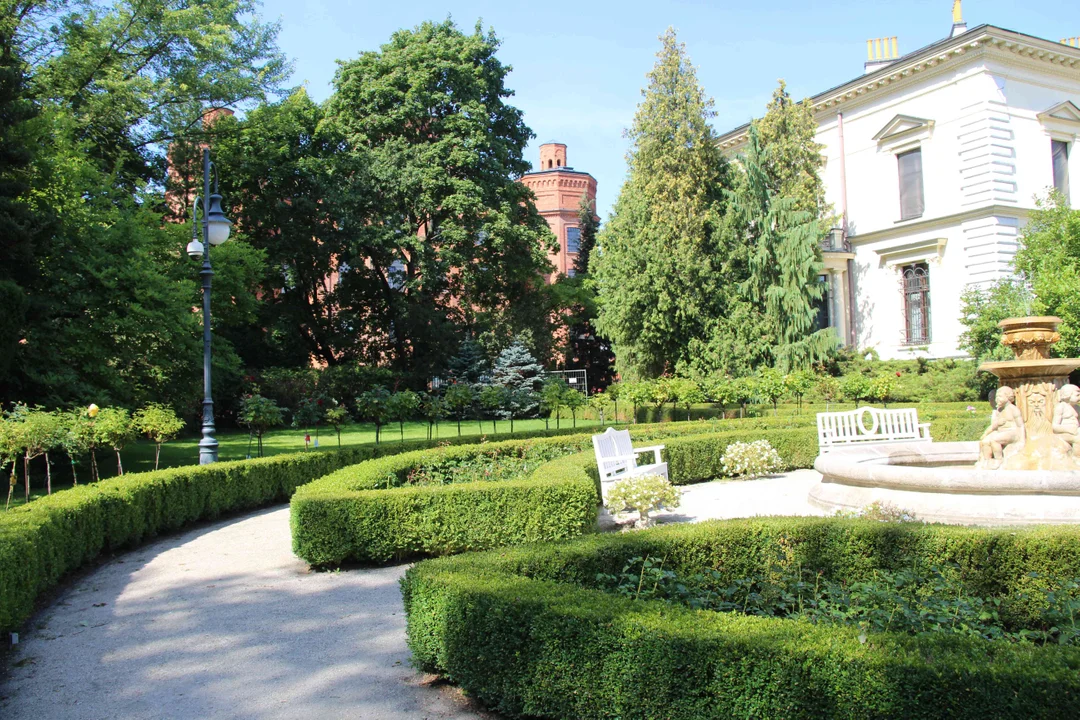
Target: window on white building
(573, 239)
(916, 304)
(911, 184)
(1059, 151)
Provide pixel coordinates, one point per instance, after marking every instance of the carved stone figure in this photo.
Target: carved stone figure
(1006, 430)
(1067, 416)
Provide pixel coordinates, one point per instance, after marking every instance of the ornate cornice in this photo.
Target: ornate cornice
(986, 39)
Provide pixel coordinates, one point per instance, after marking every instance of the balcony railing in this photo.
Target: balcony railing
(835, 242)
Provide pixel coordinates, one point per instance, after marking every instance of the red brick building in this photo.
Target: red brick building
(558, 189)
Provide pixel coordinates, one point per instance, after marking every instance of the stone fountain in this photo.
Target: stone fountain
(1029, 401)
(1022, 471)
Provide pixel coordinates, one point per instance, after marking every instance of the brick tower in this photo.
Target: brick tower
(558, 189)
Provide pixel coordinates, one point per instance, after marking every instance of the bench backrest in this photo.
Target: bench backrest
(867, 424)
(610, 444)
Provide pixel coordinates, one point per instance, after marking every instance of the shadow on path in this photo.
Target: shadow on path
(223, 622)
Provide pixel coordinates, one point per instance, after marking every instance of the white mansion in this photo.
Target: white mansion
(934, 160)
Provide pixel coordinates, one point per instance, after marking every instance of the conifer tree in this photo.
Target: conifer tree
(518, 371)
(470, 366)
(585, 349)
(589, 225)
(657, 272)
(793, 162)
(784, 263)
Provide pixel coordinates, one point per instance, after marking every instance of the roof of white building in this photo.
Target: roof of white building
(949, 51)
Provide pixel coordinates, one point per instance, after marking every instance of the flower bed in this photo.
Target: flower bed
(527, 631)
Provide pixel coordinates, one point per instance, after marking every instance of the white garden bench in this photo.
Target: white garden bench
(617, 458)
(870, 426)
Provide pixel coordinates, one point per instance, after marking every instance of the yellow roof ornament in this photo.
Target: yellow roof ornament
(957, 15)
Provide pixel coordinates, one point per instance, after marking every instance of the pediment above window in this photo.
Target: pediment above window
(903, 132)
(1062, 119)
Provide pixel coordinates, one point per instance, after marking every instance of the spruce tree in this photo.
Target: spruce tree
(518, 371)
(658, 273)
(470, 366)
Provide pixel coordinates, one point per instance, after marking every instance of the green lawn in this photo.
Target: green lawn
(234, 445)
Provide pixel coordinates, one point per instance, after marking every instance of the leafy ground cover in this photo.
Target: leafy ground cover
(913, 600)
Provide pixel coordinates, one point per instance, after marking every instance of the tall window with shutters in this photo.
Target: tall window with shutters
(911, 184)
(916, 304)
(1059, 151)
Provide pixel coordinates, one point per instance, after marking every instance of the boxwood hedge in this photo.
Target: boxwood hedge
(522, 630)
(52, 536)
(370, 513)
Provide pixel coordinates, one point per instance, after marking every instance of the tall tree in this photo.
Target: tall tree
(282, 175)
(135, 75)
(589, 225)
(784, 262)
(657, 275)
(792, 165)
(585, 349)
(453, 240)
(19, 135)
(106, 289)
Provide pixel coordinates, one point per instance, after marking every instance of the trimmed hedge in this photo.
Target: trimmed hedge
(369, 513)
(521, 630)
(43, 541)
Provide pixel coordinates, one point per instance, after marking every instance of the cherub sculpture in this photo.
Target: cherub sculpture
(1006, 429)
(1066, 416)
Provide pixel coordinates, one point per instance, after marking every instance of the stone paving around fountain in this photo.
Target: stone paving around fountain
(222, 621)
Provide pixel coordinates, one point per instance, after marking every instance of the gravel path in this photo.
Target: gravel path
(223, 621)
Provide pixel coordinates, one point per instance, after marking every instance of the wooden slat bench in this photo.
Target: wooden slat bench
(617, 458)
(868, 426)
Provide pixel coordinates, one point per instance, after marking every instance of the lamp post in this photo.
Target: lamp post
(215, 231)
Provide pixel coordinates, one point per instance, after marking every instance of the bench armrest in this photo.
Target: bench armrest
(654, 449)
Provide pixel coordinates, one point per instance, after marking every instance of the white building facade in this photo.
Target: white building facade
(934, 161)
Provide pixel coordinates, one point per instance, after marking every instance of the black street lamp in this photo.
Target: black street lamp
(215, 230)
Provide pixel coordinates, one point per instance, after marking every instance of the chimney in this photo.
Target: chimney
(1071, 42)
(881, 52)
(552, 156)
(958, 25)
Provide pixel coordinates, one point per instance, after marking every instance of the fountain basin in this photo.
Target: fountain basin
(938, 483)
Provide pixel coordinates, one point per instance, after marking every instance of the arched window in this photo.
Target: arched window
(559, 163)
(549, 164)
(917, 304)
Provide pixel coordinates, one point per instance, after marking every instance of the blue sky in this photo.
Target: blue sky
(579, 67)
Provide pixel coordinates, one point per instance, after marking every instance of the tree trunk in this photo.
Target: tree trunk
(48, 476)
(494, 427)
(11, 485)
(119, 465)
(574, 413)
(157, 455)
(74, 475)
(94, 477)
(401, 430)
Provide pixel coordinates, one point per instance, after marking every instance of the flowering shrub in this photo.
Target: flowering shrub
(644, 494)
(751, 460)
(881, 511)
